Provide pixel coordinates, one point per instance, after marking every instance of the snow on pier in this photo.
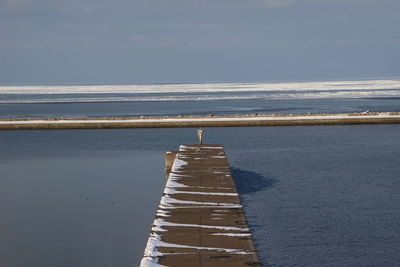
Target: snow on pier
(200, 220)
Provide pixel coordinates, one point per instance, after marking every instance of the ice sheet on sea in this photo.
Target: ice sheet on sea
(204, 92)
(205, 87)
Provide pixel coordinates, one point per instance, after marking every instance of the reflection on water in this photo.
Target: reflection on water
(79, 198)
(85, 211)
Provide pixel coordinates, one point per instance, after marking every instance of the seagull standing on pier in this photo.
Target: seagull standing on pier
(200, 135)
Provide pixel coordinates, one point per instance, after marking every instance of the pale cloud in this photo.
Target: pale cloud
(138, 37)
(15, 3)
(88, 9)
(198, 26)
(277, 3)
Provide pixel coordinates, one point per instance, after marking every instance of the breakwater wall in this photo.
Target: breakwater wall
(200, 220)
(210, 121)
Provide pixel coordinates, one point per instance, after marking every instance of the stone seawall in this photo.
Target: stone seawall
(214, 121)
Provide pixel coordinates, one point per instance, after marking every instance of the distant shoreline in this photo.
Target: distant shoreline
(203, 121)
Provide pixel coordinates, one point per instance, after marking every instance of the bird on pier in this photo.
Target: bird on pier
(200, 135)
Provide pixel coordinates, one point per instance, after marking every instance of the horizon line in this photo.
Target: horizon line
(204, 82)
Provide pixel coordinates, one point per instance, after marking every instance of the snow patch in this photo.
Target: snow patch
(160, 223)
(232, 234)
(172, 191)
(169, 201)
(155, 241)
(148, 261)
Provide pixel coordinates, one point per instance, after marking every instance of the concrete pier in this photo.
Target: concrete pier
(214, 121)
(200, 220)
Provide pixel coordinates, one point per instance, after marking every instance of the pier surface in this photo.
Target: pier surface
(200, 221)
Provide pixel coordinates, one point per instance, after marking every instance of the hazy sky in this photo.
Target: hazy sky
(121, 41)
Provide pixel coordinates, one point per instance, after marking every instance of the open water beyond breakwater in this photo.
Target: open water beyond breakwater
(199, 99)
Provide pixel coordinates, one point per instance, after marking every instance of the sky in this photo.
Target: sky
(156, 41)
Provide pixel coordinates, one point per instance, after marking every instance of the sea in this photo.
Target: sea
(313, 195)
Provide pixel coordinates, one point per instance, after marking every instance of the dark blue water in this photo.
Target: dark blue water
(199, 108)
(327, 196)
(332, 195)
